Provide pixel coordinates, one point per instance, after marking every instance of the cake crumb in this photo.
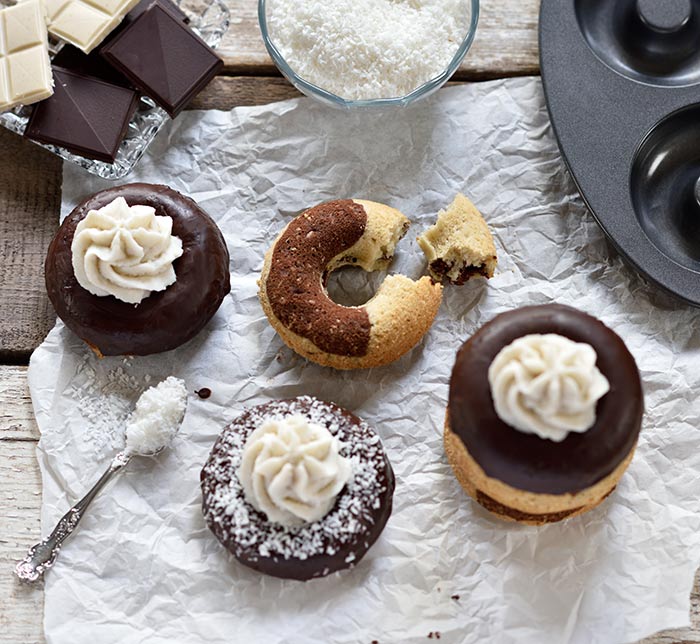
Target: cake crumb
(455, 597)
(459, 246)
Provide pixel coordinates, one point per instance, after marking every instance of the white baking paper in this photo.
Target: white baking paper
(143, 566)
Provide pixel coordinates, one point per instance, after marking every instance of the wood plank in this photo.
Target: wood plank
(30, 185)
(21, 606)
(227, 92)
(505, 43)
(16, 416)
(20, 497)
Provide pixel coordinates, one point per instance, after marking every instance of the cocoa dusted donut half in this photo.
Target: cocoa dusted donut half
(544, 413)
(294, 297)
(137, 269)
(297, 488)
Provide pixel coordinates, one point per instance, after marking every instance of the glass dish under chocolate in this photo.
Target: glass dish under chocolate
(209, 19)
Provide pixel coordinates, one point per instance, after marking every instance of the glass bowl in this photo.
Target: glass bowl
(314, 91)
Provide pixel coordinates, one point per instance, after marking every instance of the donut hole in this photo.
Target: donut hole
(352, 285)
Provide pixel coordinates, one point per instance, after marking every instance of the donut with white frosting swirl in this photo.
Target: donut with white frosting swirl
(545, 369)
(97, 296)
(299, 549)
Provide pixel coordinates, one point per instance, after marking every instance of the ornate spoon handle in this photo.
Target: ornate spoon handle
(42, 556)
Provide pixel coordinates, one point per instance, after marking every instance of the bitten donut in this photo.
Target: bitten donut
(137, 269)
(297, 488)
(294, 298)
(544, 413)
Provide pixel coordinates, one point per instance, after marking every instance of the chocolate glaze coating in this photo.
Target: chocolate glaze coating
(163, 320)
(526, 461)
(360, 512)
(295, 282)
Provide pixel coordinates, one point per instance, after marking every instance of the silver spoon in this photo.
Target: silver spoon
(42, 556)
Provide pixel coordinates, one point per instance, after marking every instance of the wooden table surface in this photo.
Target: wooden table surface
(30, 195)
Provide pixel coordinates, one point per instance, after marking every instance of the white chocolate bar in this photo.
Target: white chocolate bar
(86, 23)
(25, 68)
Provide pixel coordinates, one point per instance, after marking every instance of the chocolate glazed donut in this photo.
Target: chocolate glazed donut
(294, 298)
(163, 320)
(521, 476)
(337, 541)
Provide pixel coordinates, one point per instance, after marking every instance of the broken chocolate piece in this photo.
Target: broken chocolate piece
(85, 115)
(163, 58)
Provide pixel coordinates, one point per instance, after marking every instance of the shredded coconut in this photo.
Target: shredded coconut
(105, 401)
(368, 48)
(157, 417)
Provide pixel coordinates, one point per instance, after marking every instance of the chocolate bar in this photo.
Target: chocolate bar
(85, 115)
(25, 70)
(163, 58)
(172, 8)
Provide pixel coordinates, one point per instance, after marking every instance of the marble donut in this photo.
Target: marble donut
(293, 296)
(337, 541)
(163, 320)
(521, 477)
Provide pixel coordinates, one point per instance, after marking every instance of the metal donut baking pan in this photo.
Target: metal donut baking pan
(622, 84)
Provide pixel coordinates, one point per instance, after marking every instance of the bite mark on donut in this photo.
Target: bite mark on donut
(298, 270)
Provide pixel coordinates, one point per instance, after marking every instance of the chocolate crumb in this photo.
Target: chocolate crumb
(374, 642)
(455, 597)
(430, 635)
(437, 635)
(203, 393)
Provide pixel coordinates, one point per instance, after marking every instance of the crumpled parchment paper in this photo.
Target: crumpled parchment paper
(144, 568)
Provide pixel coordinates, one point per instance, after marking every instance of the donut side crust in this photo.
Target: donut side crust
(512, 504)
(400, 314)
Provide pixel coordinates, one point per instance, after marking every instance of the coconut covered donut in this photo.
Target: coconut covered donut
(295, 300)
(266, 532)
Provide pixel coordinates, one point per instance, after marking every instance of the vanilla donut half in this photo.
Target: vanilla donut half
(295, 300)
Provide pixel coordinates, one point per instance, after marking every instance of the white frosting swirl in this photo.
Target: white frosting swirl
(547, 385)
(125, 251)
(292, 470)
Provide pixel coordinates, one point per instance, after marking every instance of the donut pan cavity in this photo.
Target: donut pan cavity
(622, 83)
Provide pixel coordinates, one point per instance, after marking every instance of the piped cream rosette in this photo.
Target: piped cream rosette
(292, 470)
(125, 251)
(547, 385)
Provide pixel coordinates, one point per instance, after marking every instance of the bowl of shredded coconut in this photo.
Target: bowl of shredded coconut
(368, 52)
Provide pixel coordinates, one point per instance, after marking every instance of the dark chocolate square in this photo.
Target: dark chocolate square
(164, 58)
(92, 64)
(85, 115)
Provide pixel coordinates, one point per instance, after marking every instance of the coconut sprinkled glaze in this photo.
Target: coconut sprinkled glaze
(338, 540)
